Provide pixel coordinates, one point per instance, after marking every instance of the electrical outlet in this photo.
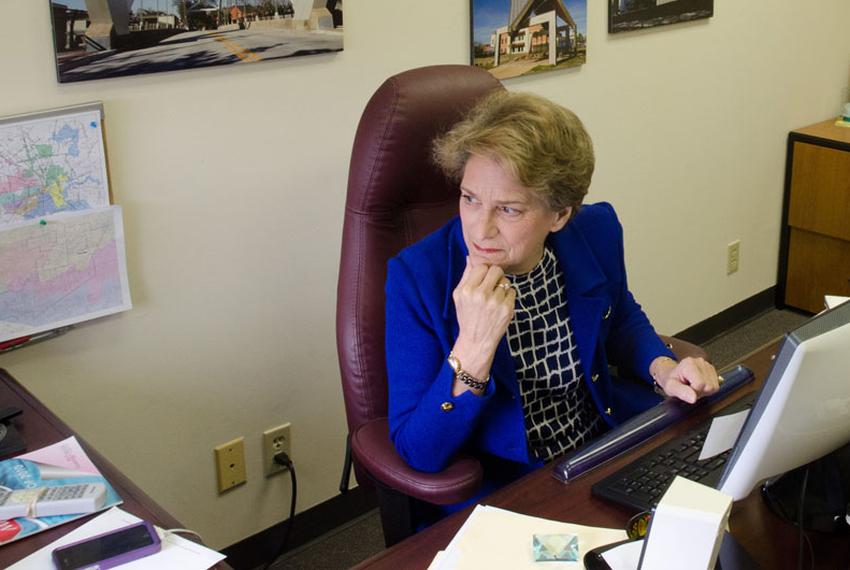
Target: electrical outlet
(230, 464)
(733, 256)
(275, 440)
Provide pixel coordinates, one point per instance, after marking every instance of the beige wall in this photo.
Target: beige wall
(233, 181)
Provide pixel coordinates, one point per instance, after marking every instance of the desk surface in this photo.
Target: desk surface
(826, 130)
(40, 427)
(769, 540)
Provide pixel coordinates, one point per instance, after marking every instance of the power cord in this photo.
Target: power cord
(800, 518)
(179, 531)
(283, 459)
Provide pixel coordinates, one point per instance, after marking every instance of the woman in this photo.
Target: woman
(502, 324)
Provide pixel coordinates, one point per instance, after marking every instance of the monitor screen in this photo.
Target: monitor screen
(803, 409)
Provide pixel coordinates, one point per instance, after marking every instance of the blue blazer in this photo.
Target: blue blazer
(429, 425)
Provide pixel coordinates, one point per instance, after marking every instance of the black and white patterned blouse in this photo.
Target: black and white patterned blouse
(559, 411)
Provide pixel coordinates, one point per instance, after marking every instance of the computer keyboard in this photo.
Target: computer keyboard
(641, 484)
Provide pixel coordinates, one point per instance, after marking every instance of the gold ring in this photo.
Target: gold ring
(504, 286)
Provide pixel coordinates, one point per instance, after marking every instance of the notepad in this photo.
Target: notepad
(722, 434)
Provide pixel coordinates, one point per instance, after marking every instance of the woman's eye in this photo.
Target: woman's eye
(510, 211)
(467, 198)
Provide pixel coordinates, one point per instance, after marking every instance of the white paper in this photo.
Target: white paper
(832, 301)
(722, 434)
(496, 538)
(439, 561)
(177, 552)
(625, 556)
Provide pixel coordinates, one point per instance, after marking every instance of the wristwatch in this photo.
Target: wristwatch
(464, 376)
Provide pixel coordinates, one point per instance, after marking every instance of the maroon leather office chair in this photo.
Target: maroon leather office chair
(395, 197)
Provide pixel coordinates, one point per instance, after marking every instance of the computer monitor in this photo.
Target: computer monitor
(803, 409)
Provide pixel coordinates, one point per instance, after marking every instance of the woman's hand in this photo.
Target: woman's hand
(688, 380)
(484, 301)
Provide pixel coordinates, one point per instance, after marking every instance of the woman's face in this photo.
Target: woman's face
(504, 223)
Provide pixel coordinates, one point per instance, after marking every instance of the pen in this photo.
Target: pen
(20, 342)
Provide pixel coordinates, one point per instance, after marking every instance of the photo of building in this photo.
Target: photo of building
(519, 37)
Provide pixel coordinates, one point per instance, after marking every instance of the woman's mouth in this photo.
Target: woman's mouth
(485, 250)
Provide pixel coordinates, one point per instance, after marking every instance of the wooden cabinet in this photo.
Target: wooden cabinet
(814, 255)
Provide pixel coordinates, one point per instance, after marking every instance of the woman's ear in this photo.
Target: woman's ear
(561, 219)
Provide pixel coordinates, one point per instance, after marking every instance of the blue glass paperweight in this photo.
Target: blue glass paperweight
(555, 547)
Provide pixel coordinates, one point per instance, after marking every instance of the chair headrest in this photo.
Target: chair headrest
(391, 163)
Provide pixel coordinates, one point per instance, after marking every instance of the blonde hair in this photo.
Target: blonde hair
(542, 144)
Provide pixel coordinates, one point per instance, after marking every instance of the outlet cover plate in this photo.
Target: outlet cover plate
(230, 464)
(275, 440)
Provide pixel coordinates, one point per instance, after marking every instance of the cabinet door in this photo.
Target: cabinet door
(820, 190)
(817, 266)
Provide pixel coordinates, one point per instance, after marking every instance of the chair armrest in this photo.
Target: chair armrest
(375, 452)
(682, 348)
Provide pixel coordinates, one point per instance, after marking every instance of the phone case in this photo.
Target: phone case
(119, 559)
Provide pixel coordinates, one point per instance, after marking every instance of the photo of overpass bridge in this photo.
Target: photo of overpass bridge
(97, 39)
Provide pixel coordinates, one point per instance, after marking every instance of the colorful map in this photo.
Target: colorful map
(62, 270)
(52, 162)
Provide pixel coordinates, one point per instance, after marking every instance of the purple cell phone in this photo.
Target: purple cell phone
(109, 549)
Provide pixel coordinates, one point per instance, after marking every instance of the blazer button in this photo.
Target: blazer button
(447, 406)
(594, 378)
(607, 313)
(608, 411)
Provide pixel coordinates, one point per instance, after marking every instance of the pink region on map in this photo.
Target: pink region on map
(105, 264)
(17, 182)
(18, 269)
(102, 267)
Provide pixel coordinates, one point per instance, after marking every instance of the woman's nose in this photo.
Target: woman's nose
(488, 225)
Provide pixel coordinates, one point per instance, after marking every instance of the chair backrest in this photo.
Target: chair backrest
(395, 197)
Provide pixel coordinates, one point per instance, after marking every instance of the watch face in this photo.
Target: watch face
(454, 363)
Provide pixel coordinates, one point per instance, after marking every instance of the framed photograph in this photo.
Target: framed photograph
(626, 15)
(520, 37)
(96, 39)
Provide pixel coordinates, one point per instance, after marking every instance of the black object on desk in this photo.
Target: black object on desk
(11, 441)
(732, 556)
(827, 493)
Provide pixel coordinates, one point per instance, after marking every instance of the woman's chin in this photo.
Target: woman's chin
(485, 259)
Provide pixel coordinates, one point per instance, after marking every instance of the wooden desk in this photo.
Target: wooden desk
(769, 540)
(40, 427)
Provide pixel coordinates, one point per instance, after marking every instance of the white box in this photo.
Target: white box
(687, 528)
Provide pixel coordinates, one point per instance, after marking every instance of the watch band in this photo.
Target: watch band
(656, 386)
(465, 376)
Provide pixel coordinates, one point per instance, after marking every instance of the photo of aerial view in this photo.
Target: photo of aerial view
(97, 39)
(511, 38)
(625, 15)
